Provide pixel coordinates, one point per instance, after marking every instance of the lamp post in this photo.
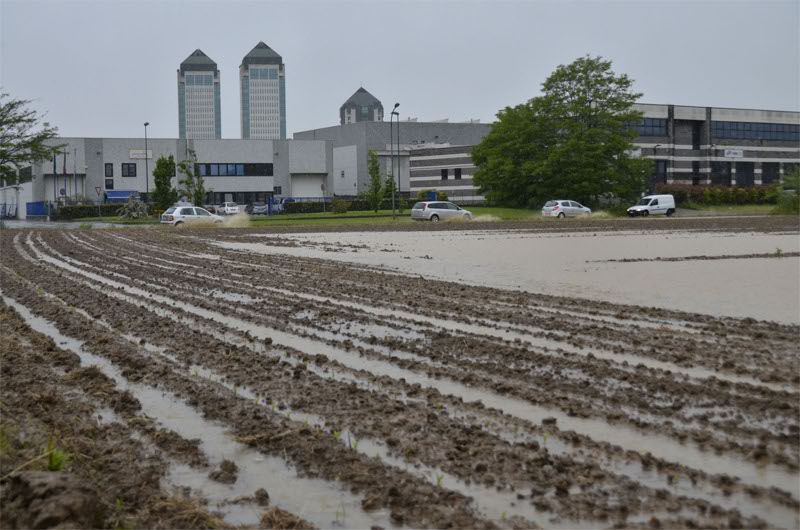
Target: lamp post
(146, 165)
(391, 150)
(391, 153)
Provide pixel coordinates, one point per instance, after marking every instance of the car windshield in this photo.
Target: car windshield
(418, 206)
(259, 204)
(644, 202)
(549, 204)
(170, 210)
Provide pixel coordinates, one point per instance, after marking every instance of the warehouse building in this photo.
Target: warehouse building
(242, 171)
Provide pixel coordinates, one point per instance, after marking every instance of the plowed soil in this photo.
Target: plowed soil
(198, 385)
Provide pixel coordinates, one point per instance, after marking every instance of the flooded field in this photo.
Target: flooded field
(430, 378)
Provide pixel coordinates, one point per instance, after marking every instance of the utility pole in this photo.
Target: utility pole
(146, 168)
(391, 149)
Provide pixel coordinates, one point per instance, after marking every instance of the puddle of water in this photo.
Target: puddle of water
(765, 289)
(318, 501)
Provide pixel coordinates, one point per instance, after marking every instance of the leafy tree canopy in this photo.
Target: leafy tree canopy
(22, 137)
(194, 185)
(164, 194)
(375, 189)
(572, 142)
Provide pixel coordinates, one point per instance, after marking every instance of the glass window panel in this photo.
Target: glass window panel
(214, 170)
(223, 170)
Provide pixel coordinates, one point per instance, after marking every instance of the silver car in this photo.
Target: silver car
(438, 211)
(563, 209)
(178, 215)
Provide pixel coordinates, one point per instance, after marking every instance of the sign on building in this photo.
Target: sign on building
(139, 154)
(734, 153)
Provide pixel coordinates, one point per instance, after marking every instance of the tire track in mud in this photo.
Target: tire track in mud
(635, 415)
(552, 440)
(629, 438)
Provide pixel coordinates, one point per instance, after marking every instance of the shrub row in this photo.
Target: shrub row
(356, 205)
(66, 213)
(708, 195)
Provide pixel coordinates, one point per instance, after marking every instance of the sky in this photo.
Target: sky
(103, 68)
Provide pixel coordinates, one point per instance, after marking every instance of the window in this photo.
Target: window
(200, 211)
(654, 203)
(109, 171)
(223, 169)
(109, 184)
(214, 170)
(770, 172)
(457, 173)
(444, 174)
(129, 170)
(277, 190)
(652, 127)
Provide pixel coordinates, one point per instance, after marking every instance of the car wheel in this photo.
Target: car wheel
(646, 213)
(178, 224)
(670, 212)
(467, 217)
(561, 215)
(434, 218)
(218, 221)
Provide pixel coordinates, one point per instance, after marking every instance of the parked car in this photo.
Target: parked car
(438, 210)
(563, 209)
(257, 208)
(228, 208)
(653, 205)
(179, 215)
(210, 207)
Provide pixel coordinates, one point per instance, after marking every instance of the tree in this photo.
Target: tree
(164, 195)
(574, 141)
(375, 190)
(22, 137)
(194, 185)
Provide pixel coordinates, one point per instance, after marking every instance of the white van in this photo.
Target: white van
(653, 205)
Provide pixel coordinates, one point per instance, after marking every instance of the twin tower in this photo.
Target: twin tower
(262, 86)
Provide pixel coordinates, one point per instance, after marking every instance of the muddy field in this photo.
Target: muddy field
(192, 383)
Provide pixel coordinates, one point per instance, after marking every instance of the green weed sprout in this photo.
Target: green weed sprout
(337, 435)
(439, 479)
(355, 445)
(58, 458)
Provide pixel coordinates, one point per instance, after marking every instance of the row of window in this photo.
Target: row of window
(199, 80)
(755, 131)
(234, 170)
(263, 73)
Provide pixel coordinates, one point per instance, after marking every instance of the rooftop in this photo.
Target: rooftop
(262, 54)
(362, 98)
(198, 60)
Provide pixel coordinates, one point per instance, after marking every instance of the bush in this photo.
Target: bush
(66, 213)
(134, 209)
(718, 195)
(787, 196)
(355, 205)
(339, 205)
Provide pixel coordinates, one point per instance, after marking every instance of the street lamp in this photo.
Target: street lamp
(391, 150)
(146, 167)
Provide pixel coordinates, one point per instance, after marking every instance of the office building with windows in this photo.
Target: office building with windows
(361, 106)
(262, 81)
(199, 114)
(242, 171)
(690, 146)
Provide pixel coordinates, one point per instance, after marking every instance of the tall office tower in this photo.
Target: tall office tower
(263, 90)
(362, 106)
(199, 115)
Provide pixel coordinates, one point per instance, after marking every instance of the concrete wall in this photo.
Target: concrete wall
(307, 185)
(15, 199)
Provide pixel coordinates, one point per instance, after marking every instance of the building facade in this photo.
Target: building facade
(361, 106)
(242, 171)
(690, 145)
(199, 114)
(262, 82)
(350, 145)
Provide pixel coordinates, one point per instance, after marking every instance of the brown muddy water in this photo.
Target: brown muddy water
(574, 265)
(360, 390)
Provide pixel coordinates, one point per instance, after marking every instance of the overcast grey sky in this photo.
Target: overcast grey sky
(103, 68)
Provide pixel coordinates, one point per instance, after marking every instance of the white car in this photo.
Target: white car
(228, 208)
(179, 215)
(653, 205)
(563, 209)
(438, 210)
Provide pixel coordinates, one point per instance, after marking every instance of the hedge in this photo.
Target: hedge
(356, 205)
(65, 213)
(728, 195)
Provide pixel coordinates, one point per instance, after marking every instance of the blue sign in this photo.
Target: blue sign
(62, 192)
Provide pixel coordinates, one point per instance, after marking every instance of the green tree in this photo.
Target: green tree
(164, 195)
(574, 141)
(788, 193)
(194, 186)
(375, 189)
(23, 137)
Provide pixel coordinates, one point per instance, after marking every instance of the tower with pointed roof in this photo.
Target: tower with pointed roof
(262, 81)
(199, 115)
(361, 106)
